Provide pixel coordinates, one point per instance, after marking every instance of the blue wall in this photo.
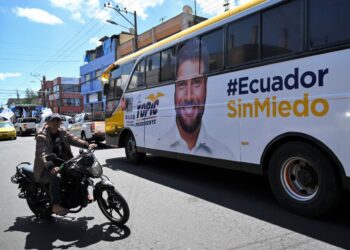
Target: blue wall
(101, 63)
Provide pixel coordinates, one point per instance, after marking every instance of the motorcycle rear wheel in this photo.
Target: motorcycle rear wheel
(39, 203)
(113, 205)
(40, 210)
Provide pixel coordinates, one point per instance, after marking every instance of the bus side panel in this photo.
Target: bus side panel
(314, 100)
(160, 117)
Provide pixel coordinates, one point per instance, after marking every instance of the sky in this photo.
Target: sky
(50, 37)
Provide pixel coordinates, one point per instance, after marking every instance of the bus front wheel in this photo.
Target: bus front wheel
(131, 150)
(303, 179)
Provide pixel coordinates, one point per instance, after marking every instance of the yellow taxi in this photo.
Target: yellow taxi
(7, 130)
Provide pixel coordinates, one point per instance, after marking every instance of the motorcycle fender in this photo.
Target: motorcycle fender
(102, 184)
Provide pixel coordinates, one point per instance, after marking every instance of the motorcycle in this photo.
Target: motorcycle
(77, 176)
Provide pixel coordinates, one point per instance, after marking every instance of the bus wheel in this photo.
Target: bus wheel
(131, 150)
(303, 179)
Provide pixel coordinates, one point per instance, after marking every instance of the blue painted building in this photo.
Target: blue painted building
(90, 74)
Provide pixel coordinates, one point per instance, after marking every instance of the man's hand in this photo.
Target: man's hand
(55, 170)
(92, 146)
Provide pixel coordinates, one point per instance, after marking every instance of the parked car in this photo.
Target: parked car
(66, 120)
(26, 126)
(88, 127)
(7, 130)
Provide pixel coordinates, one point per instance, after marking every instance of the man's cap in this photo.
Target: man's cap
(54, 116)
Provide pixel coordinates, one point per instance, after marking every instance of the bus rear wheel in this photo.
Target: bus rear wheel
(131, 150)
(303, 179)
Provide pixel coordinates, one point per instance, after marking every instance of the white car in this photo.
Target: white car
(65, 122)
(26, 126)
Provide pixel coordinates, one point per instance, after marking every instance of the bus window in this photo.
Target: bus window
(282, 29)
(118, 91)
(333, 27)
(168, 62)
(243, 41)
(126, 71)
(214, 43)
(188, 55)
(138, 76)
(110, 91)
(152, 69)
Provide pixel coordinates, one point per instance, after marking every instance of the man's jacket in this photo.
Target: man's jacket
(45, 145)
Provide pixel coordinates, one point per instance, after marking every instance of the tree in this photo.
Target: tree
(31, 96)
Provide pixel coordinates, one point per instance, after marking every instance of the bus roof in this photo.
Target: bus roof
(182, 33)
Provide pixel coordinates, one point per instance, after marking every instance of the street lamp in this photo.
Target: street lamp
(112, 22)
(119, 11)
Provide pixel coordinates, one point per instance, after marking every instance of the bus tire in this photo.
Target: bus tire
(303, 179)
(131, 150)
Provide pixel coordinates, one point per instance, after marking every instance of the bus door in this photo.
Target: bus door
(134, 104)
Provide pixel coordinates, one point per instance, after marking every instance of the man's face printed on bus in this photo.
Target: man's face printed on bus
(190, 95)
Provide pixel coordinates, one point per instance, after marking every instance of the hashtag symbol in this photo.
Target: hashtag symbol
(231, 87)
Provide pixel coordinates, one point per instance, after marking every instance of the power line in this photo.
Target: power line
(74, 37)
(25, 60)
(68, 51)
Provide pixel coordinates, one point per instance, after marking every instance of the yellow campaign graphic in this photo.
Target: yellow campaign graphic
(272, 107)
(152, 97)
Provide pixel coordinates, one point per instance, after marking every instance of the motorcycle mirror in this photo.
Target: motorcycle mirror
(50, 157)
(81, 151)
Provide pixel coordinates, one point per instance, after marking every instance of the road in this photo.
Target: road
(173, 204)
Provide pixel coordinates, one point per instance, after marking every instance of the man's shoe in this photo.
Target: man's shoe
(59, 210)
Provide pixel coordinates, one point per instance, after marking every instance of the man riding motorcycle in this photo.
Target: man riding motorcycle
(53, 138)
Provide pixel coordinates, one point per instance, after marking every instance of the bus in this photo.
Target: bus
(262, 88)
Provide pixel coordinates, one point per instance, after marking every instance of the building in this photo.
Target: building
(117, 46)
(65, 97)
(170, 27)
(44, 93)
(97, 61)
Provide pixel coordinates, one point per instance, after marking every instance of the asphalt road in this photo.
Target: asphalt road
(173, 205)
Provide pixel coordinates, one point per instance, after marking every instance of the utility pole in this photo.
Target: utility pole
(195, 12)
(133, 24)
(227, 5)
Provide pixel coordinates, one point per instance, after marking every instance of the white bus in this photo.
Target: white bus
(263, 88)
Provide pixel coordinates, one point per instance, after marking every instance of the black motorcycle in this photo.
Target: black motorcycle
(77, 175)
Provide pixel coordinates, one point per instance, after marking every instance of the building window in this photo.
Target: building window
(97, 74)
(72, 102)
(70, 87)
(87, 77)
(56, 89)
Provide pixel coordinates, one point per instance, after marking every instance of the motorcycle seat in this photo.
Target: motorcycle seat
(28, 170)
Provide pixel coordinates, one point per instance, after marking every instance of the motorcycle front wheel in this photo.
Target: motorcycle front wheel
(113, 205)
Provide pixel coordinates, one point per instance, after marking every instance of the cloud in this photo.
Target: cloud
(3, 76)
(37, 15)
(140, 6)
(211, 7)
(95, 41)
(81, 9)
